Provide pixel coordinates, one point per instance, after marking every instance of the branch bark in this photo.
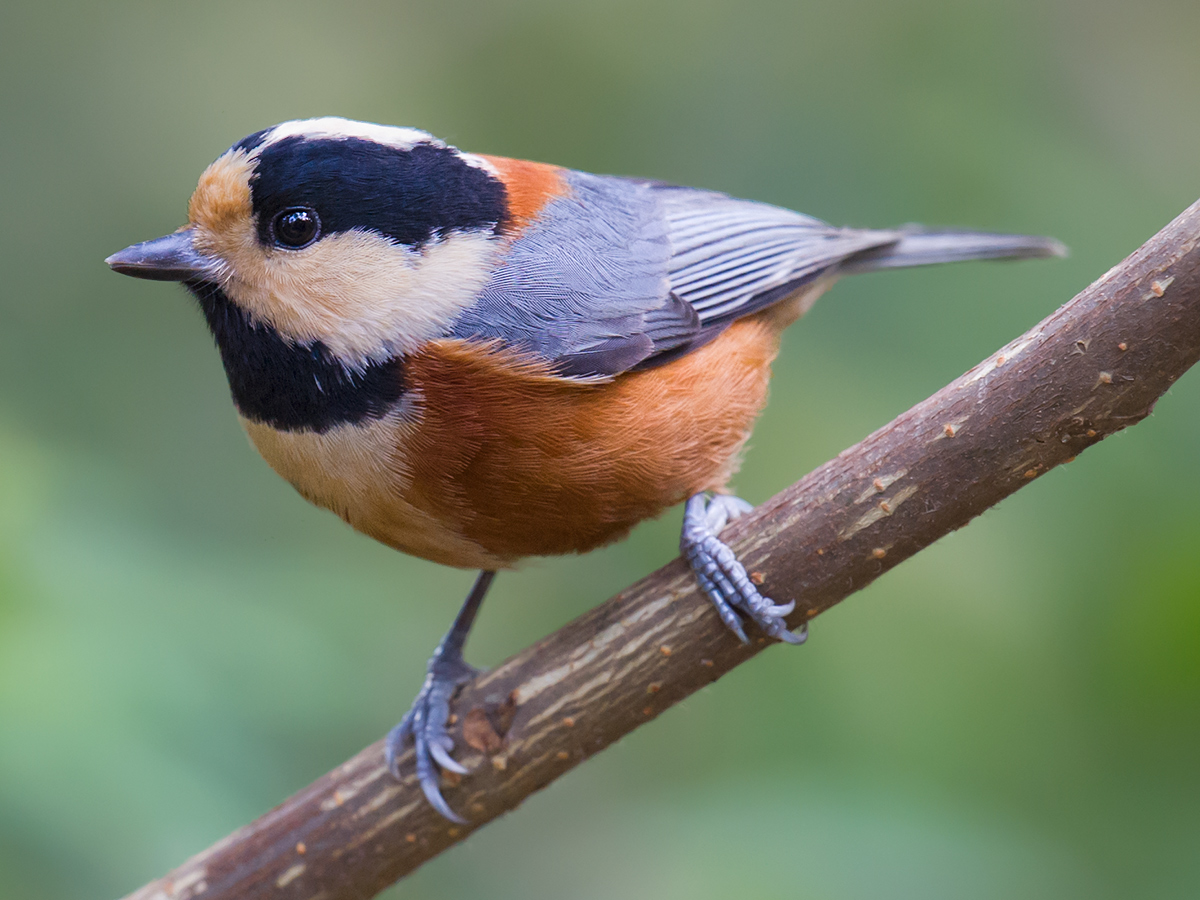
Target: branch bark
(1095, 366)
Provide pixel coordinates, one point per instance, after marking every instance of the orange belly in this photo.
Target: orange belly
(492, 458)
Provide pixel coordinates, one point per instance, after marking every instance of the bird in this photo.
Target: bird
(476, 360)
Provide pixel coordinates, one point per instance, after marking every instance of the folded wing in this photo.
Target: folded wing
(622, 274)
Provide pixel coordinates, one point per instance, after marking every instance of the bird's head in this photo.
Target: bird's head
(361, 240)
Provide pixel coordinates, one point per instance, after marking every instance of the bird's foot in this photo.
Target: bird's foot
(722, 578)
(425, 724)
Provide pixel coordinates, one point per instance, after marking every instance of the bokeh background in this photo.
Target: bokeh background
(183, 642)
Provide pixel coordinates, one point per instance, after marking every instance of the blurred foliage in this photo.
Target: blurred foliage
(183, 642)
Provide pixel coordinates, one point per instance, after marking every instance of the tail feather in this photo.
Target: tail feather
(923, 248)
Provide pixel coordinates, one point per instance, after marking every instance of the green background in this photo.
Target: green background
(184, 642)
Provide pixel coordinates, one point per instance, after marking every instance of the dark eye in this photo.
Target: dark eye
(297, 227)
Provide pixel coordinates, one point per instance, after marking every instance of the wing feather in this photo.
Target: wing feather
(731, 257)
(620, 274)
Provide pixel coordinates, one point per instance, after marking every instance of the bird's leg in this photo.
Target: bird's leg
(719, 574)
(425, 722)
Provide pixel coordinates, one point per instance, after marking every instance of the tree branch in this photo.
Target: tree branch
(1095, 366)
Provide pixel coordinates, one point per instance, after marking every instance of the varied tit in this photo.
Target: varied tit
(476, 359)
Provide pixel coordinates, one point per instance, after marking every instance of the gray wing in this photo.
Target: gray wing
(586, 285)
(732, 257)
(620, 274)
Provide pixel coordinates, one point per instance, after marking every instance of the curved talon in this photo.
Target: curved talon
(723, 578)
(796, 637)
(425, 724)
(782, 609)
(427, 776)
(444, 759)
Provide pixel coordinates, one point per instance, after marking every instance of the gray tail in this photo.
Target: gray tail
(923, 248)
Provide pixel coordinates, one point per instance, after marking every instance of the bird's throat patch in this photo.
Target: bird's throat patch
(294, 386)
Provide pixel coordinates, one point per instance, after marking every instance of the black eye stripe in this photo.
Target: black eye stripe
(410, 195)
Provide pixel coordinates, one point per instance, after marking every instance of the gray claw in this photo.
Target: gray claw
(425, 721)
(444, 759)
(425, 724)
(795, 637)
(781, 610)
(722, 577)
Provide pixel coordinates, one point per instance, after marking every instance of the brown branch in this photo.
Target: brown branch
(1094, 367)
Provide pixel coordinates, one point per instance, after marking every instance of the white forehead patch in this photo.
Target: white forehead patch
(335, 127)
(388, 135)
